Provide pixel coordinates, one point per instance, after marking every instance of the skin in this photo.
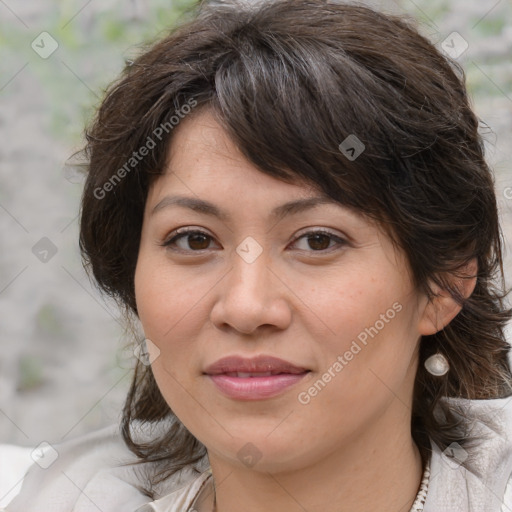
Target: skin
(348, 449)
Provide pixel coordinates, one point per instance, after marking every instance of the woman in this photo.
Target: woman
(292, 198)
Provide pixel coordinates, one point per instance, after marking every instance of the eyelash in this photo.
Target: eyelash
(181, 233)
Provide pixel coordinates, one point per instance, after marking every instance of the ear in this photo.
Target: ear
(442, 309)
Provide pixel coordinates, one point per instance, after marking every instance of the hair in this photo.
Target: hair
(290, 80)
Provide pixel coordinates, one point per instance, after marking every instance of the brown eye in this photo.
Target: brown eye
(190, 240)
(318, 241)
(197, 241)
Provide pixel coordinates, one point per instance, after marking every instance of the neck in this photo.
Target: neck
(377, 469)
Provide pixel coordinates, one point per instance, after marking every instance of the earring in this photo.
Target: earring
(437, 365)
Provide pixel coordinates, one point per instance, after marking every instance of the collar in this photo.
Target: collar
(474, 478)
(184, 499)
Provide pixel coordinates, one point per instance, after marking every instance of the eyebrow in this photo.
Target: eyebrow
(207, 208)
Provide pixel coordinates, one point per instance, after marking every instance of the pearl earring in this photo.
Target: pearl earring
(437, 365)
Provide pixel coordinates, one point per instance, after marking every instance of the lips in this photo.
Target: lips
(260, 366)
(259, 378)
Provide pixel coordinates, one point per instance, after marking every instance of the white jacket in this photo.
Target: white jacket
(87, 474)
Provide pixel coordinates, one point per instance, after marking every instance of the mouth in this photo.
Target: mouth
(260, 366)
(247, 375)
(257, 378)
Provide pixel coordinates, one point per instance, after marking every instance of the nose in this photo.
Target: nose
(251, 298)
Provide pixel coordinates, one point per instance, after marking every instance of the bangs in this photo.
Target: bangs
(341, 118)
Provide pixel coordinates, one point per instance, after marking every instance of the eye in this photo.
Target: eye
(320, 240)
(195, 239)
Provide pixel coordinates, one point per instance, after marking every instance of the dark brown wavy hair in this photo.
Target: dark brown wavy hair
(290, 80)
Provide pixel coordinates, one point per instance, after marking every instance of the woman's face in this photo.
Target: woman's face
(319, 287)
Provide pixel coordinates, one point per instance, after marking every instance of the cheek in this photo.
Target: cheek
(168, 305)
(349, 303)
(166, 296)
(369, 335)
(173, 305)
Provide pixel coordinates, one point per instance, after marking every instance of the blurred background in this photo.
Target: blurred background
(64, 362)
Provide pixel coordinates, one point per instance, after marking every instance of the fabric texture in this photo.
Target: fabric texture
(14, 462)
(480, 483)
(89, 473)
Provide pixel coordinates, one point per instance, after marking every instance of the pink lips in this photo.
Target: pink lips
(254, 379)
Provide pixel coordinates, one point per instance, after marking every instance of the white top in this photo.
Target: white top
(88, 475)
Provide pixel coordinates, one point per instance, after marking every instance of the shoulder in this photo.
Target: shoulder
(14, 462)
(507, 498)
(95, 470)
(478, 475)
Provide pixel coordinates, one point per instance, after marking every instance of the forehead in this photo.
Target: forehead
(202, 158)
